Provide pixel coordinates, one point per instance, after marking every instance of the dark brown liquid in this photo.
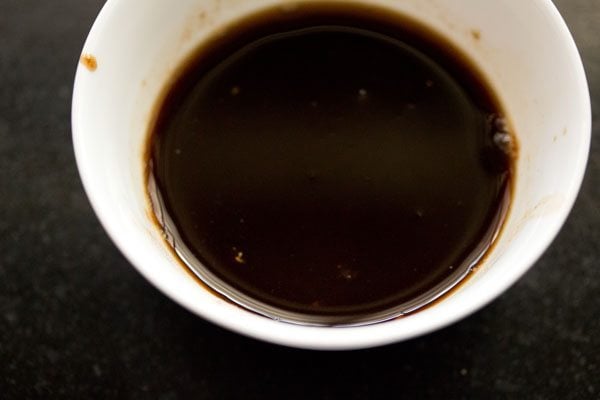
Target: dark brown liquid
(334, 163)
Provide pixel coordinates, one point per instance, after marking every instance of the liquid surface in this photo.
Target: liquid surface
(330, 166)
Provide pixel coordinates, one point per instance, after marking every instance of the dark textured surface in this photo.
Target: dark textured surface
(77, 321)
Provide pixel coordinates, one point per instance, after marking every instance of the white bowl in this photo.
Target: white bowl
(524, 48)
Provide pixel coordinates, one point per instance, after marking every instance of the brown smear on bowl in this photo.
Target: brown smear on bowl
(89, 61)
(316, 186)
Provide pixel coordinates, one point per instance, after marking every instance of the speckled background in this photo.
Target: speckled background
(76, 321)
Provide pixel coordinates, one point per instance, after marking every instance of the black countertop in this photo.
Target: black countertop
(77, 321)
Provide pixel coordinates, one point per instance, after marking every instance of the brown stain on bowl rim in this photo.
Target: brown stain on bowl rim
(89, 61)
(476, 34)
(546, 206)
(205, 18)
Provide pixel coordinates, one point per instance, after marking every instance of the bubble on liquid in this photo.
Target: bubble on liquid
(236, 90)
(238, 256)
(501, 135)
(503, 140)
(346, 273)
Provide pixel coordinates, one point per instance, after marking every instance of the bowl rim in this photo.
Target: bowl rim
(330, 338)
